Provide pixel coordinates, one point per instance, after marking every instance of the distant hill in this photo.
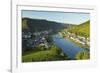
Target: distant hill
(32, 25)
(82, 29)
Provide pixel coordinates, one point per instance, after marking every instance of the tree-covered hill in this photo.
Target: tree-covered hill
(82, 29)
(32, 25)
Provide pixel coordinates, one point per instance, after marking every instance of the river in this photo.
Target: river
(67, 46)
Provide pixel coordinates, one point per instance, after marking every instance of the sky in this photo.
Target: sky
(63, 17)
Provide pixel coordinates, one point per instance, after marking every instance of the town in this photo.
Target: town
(76, 38)
(31, 40)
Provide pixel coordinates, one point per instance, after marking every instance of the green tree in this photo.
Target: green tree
(82, 55)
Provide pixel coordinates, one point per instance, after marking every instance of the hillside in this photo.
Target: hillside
(81, 29)
(34, 25)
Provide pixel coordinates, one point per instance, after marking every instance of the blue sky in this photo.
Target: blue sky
(63, 17)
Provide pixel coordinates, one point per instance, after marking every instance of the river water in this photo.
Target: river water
(67, 46)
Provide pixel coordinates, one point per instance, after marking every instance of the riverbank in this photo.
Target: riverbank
(75, 40)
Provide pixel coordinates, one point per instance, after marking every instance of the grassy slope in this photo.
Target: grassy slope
(82, 29)
(51, 54)
(41, 55)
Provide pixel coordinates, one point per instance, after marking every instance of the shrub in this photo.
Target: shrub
(82, 55)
